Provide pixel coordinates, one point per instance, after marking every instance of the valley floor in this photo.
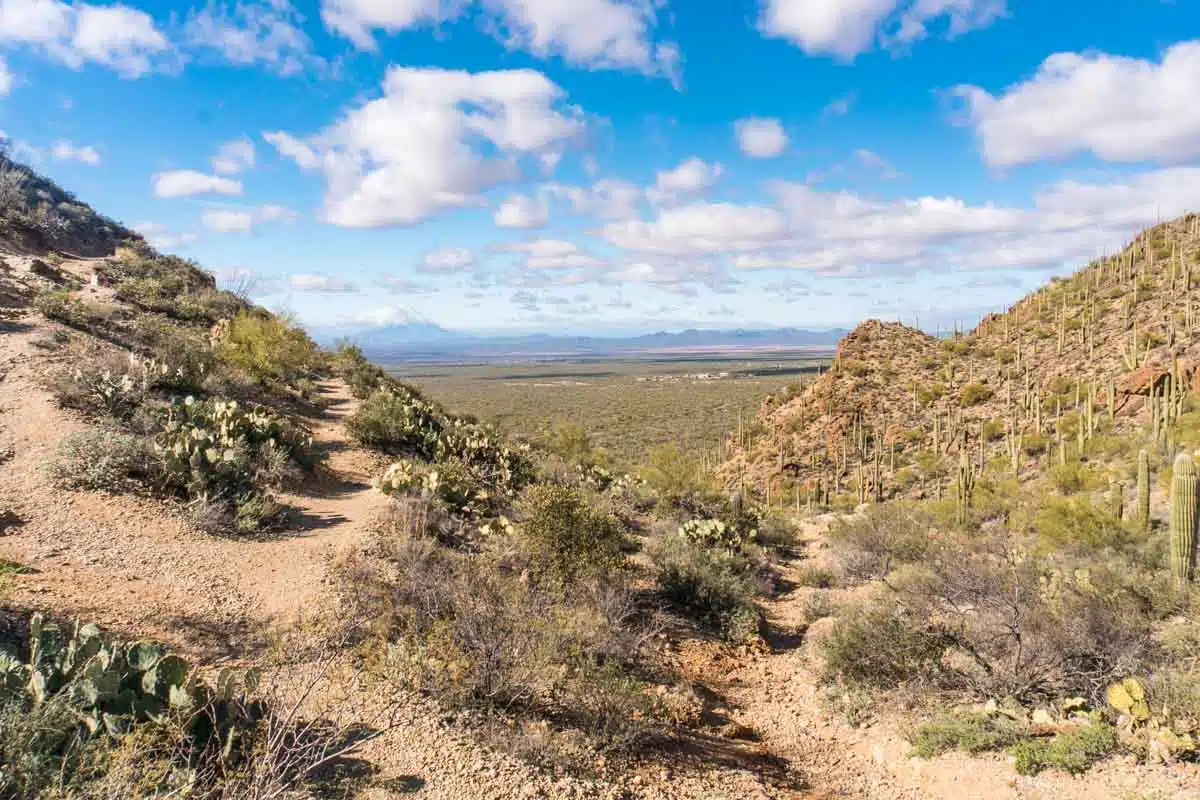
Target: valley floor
(133, 566)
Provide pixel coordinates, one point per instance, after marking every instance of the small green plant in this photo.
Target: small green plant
(971, 731)
(1073, 751)
(1075, 524)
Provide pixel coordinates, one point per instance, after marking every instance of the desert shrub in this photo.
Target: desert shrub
(1072, 751)
(871, 544)
(971, 732)
(993, 430)
(114, 386)
(1071, 477)
(931, 393)
(675, 475)
(360, 375)
(185, 353)
(100, 459)
(1075, 524)
(571, 441)
(1034, 444)
(1020, 626)
(63, 306)
(267, 347)
(877, 647)
(816, 577)
(716, 585)
(974, 394)
(776, 532)
(467, 629)
(567, 537)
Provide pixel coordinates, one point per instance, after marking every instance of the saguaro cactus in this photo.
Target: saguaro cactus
(964, 488)
(1143, 490)
(1183, 519)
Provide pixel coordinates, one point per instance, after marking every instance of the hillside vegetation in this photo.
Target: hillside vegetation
(234, 565)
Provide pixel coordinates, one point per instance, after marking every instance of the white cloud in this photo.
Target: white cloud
(320, 283)
(6, 79)
(267, 33)
(554, 254)
(614, 34)
(760, 137)
(292, 148)
(65, 151)
(389, 315)
(846, 28)
(188, 182)
(436, 140)
(841, 233)
(161, 237)
(606, 199)
(1117, 108)
(521, 211)
(447, 260)
(873, 161)
(234, 157)
(121, 38)
(839, 107)
(689, 178)
(244, 220)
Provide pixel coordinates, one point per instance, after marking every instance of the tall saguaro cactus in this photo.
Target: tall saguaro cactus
(1183, 519)
(1143, 490)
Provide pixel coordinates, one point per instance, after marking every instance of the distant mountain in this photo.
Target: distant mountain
(425, 341)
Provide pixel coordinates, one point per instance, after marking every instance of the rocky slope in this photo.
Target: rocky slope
(898, 408)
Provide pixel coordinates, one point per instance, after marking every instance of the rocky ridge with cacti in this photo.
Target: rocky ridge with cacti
(1114, 346)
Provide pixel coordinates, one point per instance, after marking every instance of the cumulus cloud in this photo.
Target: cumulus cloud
(436, 140)
(760, 137)
(245, 220)
(612, 34)
(606, 199)
(65, 151)
(188, 182)
(841, 233)
(320, 283)
(121, 38)
(267, 33)
(447, 261)
(163, 238)
(688, 179)
(846, 28)
(521, 211)
(234, 157)
(554, 254)
(1116, 108)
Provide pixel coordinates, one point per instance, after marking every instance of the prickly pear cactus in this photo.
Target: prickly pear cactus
(1183, 519)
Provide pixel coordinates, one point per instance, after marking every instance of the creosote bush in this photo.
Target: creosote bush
(566, 537)
(267, 347)
(101, 459)
(716, 585)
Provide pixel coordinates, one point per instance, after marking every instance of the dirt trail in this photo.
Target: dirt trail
(778, 695)
(132, 563)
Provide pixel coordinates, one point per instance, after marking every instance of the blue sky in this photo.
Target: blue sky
(617, 165)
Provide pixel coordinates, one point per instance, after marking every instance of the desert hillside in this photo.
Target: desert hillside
(235, 565)
(1109, 342)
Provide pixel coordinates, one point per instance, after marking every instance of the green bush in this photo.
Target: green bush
(1073, 751)
(718, 586)
(675, 475)
(885, 536)
(816, 577)
(267, 347)
(566, 536)
(971, 732)
(974, 394)
(101, 459)
(1075, 524)
(879, 647)
(398, 421)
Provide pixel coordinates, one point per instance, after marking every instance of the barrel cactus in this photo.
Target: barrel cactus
(1143, 490)
(1183, 519)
